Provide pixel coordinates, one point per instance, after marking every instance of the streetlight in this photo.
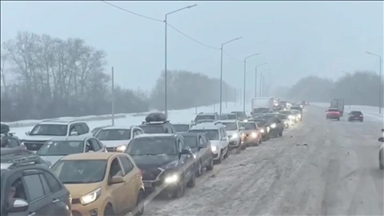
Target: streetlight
(381, 81)
(165, 58)
(245, 71)
(221, 70)
(256, 77)
(261, 83)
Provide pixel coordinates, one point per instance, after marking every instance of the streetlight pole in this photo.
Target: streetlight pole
(221, 71)
(261, 84)
(381, 81)
(256, 77)
(166, 56)
(245, 74)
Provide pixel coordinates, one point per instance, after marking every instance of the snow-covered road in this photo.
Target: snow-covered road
(318, 167)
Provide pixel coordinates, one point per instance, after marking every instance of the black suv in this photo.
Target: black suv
(156, 123)
(28, 187)
(167, 163)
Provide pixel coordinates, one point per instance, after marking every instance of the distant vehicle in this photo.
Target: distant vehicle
(4, 128)
(262, 102)
(240, 115)
(274, 123)
(252, 133)
(223, 117)
(232, 128)
(231, 116)
(333, 113)
(157, 123)
(116, 139)
(206, 117)
(284, 118)
(356, 116)
(97, 129)
(55, 149)
(263, 127)
(50, 129)
(339, 104)
(381, 152)
(181, 127)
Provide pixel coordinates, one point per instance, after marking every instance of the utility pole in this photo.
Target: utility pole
(113, 97)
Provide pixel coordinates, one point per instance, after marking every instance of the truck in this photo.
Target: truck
(262, 105)
(339, 104)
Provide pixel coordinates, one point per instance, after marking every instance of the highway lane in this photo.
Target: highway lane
(319, 167)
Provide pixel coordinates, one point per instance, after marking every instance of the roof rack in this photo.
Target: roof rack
(14, 159)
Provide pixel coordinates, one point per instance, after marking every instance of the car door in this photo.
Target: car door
(183, 159)
(117, 190)
(202, 149)
(188, 160)
(132, 181)
(224, 138)
(95, 145)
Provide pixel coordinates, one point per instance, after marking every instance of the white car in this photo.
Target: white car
(51, 129)
(232, 128)
(116, 139)
(381, 152)
(216, 133)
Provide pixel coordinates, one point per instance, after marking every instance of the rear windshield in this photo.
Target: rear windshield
(231, 116)
(230, 126)
(356, 113)
(191, 141)
(181, 127)
(249, 125)
(203, 117)
(153, 128)
(114, 134)
(211, 134)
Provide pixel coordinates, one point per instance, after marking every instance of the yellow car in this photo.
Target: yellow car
(105, 183)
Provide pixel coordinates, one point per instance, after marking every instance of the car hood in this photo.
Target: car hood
(230, 133)
(114, 143)
(51, 159)
(79, 190)
(151, 161)
(37, 138)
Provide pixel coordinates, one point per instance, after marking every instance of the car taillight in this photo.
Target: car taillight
(141, 173)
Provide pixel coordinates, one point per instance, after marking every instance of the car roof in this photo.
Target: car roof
(156, 135)
(207, 126)
(58, 122)
(71, 138)
(181, 124)
(91, 156)
(190, 133)
(117, 128)
(228, 121)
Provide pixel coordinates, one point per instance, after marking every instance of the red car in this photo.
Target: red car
(333, 113)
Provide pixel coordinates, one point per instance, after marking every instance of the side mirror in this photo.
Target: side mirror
(19, 205)
(381, 139)
(116, 180)
(185, 151)
(74, 133)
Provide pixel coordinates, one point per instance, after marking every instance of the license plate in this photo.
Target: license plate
(147, 184)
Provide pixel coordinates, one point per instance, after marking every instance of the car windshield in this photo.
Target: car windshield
(211, 134)
(230, 126)
(152, 128)
(356, 113)
(152, 146)
(231, 116)
(61, 148)
(204, 117)
(333, 110)
(248, 125)
(181, 127)
(49, 130)
(80, 171)
(191, 141)
(114, 134)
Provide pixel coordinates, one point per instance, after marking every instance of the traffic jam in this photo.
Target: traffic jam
(66, 168)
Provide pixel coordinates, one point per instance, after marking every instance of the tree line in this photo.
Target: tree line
(358, 88)
(47, 77)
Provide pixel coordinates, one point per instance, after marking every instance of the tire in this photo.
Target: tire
(226, 154)
(192, 182)
(200, 168)
(218, 161)
(338, 119)
(210, 165)
(281, 134)
(243, 146)
(139, 210)
(180, 191)
(108, 211)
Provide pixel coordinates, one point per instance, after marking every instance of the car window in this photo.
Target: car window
(94, 144)
(115, 169)
(79, 129)
(85, 127)
(46, 188)
(34, 187)
(127, 165)
(53, 183)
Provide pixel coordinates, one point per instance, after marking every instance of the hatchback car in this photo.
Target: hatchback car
(116, 138)
(356, 116)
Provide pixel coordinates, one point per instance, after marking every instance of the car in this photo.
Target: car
(204, 117)
(101, 183)
(240, 115)
(297, 114)
(291, 116)
(356, 116)
(4, 128)
(28, 186)
(264, 128)
(57, 148)
(201, 147)
(333, 113)
(117, 138)
(166, 161)
(48, 129)
(284, 118)
(181, 127)
(97, 129)
(231, 116)
(252, 133)
(217, 135)
(223, 117)
(299, 110)
(274, 123)
(232, 128)
(157, 123)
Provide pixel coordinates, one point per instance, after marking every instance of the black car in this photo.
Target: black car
(240, 115)
(156, 123)
(166, 162)
(201, 148)
(356, 116)
(264, 128)
(231, 116)
(28, 187)
(274, 123)
(181, 127)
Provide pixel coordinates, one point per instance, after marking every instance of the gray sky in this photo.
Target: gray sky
(295, 38)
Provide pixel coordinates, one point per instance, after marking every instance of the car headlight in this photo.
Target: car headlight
(273, 125)
(291, 117)
(254, 135)
(121, 148)
(262, 131)
(268, 129)
(234, 136)
(245, 120)
(214, 148)
(194, 156)
(91, 197)
(171, 179)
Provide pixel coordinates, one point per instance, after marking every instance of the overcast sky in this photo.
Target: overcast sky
(295, 38)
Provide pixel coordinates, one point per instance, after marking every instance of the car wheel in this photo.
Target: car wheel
(338, 119)
(199, 170)
(210, 166)
(108, 211)
(281, 134)
(139, 210)
(220, 157)
(192, 182)
(180, 190)
(243, 146)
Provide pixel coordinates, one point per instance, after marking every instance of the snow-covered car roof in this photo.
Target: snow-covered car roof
(155, 135)
(117, 128)
(228, 121)
(207, 126)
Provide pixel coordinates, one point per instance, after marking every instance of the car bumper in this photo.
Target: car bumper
(355, 119)
(333, 117)
(93, 209)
